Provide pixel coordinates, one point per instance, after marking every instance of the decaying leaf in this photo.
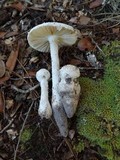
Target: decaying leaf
(75, 61)
(2, 34)
(116, 30)
(2, 68)
(17, 5)
(12, 133)
(1, 102)
(71, 134)
(9, 103)
(95, 3)
(84, 20)
(4, 78)
(11, 62)
(85, 44)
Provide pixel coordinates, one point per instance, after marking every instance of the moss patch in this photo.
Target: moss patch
(98, 118)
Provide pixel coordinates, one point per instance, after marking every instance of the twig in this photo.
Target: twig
(17, 146)
(70, 148)
(7, 126)
(25, 91)
(98, 47)
(114, 25)
(90, 68)
(108, 19)
(24, 69)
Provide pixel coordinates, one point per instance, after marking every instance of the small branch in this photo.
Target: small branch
(90, 68)
(98, 47)
(70, 148)
(17, 146)
(25, 91)
(7, 126)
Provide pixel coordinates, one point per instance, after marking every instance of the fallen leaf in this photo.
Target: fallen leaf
(9, 103)
(71, 134)
(2, 34)
(17, 5)
(84, 20)
(11, 62)
(85, 44)
(74, 20)
(65, 3)
(12, 133)
(1, 102)
(95, 3)
(11, 34)
(116, 30)
(2, 68)
(75, 62)
(5, 78)
(30, 73)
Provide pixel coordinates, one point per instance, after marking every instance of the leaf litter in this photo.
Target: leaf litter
(97, 24)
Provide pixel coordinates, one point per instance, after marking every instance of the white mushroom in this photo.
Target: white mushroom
(44, 110)
(69, 88)
(49, 37)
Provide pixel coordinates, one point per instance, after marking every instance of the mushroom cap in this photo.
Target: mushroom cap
(38, 37)
(42, 74)
(69, 71)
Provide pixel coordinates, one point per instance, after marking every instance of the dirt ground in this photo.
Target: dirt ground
(23, 134)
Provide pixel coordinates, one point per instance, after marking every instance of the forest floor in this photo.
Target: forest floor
(23, 134)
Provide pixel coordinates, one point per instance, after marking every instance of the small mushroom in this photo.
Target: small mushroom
(44, 110)
(49, 37)
(69, 88)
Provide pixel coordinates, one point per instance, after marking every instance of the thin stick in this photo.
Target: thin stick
(25, 91)
(7, 126)
(17, 146)
(70, 148)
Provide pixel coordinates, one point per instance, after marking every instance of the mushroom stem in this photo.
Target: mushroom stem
(44, 106)
(55, 69)
(58, 111)
(44, 90)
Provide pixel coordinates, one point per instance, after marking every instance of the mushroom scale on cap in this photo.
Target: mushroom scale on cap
(49, 37)
(45, 109)
(69, 88)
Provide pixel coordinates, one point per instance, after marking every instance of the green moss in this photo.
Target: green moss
(26, 135)
(98, 118)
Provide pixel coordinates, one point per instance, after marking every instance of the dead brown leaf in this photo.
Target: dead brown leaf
(30, 73)
(5, 78)
(116, 30)
(17, 5)
(85, 44)
(75, 62)
(2, 34)
(11, 62)
(9, 103)
(1, 102)
(84, 20)
(95, 3)
(2, 68)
